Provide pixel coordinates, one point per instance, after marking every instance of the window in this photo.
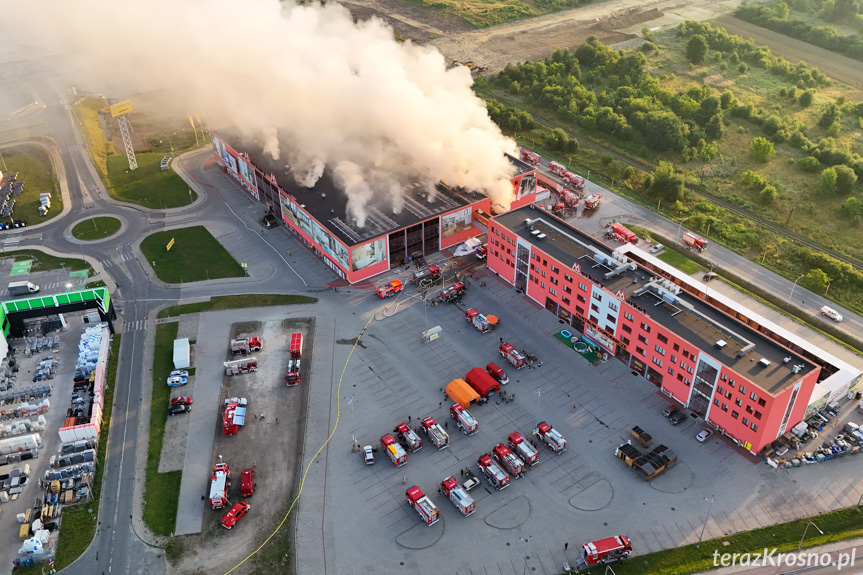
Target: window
(719, 390)
(542, 284)
(737, 402)
(728, 395)
(543, 274)
(594, 307)
(659, 350)
(552, 291)
(582, 287)
(612, 306)
(745, 421)
(611, 318)
(579, 310)
(553, 281)
(628, 316)
(580, 298)
(753, 427)
(554, 269)
(724, 407)
(545, 262)
(567, 277)
(742, 389)
(734, 414)
(645, 327)
(567, 289)
(723, 377)
(597, 296)
(679, 377)
(676, 347)
(715, 401)
(626, 328)
(673, 359)
(752, 396)
(757, 415)
(689, 369)
(685, 353)
(670, 371)
(625, 340)
(639, 350)
(662, 338)
(657, 362)
(748, 409)
(732, 382)
(762, 403)
(642, 339)
(682, 365)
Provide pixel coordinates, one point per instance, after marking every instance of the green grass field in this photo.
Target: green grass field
(35, 168)
(162, 490)
(195, 256)
(43, 262)
(96, 228)
(149, 185)
(679, 261)
(236, 302)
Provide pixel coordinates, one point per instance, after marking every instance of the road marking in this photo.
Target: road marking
(135, 325)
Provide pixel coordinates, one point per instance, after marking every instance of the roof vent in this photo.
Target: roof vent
(535, 232)
(721, 343)
(764, 361)
(541, 237)
(796, 369)
(787, 359)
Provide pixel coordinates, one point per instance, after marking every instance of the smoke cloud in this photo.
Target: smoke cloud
(316, 88)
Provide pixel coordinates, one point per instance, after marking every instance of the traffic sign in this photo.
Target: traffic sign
(121, 108)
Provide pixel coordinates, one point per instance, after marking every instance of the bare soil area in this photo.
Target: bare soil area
(270, 443)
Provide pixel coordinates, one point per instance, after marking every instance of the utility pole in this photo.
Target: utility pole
(706, 519)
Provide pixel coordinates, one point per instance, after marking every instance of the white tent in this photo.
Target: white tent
(181, 353)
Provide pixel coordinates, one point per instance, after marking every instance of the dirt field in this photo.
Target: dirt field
(612, 22)
(269, 444)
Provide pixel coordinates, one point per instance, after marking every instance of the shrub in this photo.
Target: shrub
(845, 179)
(827, 183)
(852, 207)
(767, 195)
(742, 68)
(761, 150)
(696, 49)
(752, 179)
(809, 164)
(806, 98)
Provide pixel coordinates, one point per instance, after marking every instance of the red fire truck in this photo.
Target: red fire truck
(530, 157)
(459, 497)
(694, 241)
(426, 276)
(408, 437)
(508, 459)
(512, 355)
(574, 180)
(292, 377)
(556, 168)
(591, 202)
(496, 372)
(394, 451)
(605, 551)
(551, 437)
(239, 366)
(390, 289)
(219, 486)
(523, 448)
(296, 345)
(424, 507)
(246, 345)
(235, 415)
(463, 419)
(622, 234)
(496, 476)
(482, 323)
(235, 514)
(453, 292)
(437, 435)
(247, 483)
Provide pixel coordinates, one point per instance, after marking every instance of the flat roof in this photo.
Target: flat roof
(327, 203)
(687, 316)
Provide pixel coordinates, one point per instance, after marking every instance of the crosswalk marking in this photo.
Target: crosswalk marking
(136, 325)
(123, 258)
(11, 241)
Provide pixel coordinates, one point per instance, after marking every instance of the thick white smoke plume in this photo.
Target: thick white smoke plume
(313, 86)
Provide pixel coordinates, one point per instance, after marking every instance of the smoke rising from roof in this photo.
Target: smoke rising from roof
(312, 85)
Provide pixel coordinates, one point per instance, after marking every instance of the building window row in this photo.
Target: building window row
(628, 316)
(657, 362)
(659, 350)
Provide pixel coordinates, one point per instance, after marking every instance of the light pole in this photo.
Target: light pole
(538, 393)
(706, 519)
(5, 169)
(353, 421)
(608, 568)
(526, 541)
(804, 533)
(792, 288)
(679, 227)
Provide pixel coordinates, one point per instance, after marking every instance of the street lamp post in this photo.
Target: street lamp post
(5, 169)
(526, 541)
(706, 519)
(608, 568)
(804, 534)
(538, 393)
(679, 227)
(792, 288)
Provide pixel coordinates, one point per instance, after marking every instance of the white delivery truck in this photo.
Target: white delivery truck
(22, 288)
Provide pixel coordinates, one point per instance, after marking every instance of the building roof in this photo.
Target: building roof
(689, 317)
(327, 203)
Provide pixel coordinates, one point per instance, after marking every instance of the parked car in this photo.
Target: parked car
(669, 410)
(703, 435)
(709, 276)
(656, 248)
(677, 417)
(471, 483)
(178, 409)
(176, 380)
(368, 455)
(247, 483)
(181, 401)
(237, 511)
(179, 373)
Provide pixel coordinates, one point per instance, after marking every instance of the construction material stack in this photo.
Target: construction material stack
(235, 415)
(459, 497)
(424, 507)
(647, 465)
(435, 432)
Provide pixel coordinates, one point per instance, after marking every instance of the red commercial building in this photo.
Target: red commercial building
(415, 225)
(745, 376)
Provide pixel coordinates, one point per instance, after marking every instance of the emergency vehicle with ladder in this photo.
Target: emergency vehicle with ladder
(459, 497)
(556, 168)
(574, 180)
(605, 551)
(496, 476)
(389, 290)
(523, 448)
(219, 486)
(235, 415)
(551, 437)
(393, 450)
(512, 355)
(246, 344)
(694, 241)
(424, 507)
(436, 434)
(408, 438)
(508, 460)
(481, 322)
(531, 157)
(463, 419)
(239, 366)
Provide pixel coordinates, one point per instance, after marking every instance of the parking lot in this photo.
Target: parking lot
(583, 494)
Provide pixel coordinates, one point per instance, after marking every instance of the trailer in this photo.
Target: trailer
(463, 419)
(459, 497)
(424, 507)
(509, 460)
(393, 450)
(512, 355)
(296, 345)
(523, 448)
(551, 437)
(219, 486)
(647, 465)
(408, 438)
(292, 377)
(435, 432)
(235, 415)
(246, 345)
(479, 321)
(496, 476)
(604, 551)
(238, 366)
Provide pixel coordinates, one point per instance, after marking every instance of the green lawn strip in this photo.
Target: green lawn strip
(837, 526)
(96, 228)
(236, 302)
(195, 256)
(87, 113)
(79, 522)
(149, 185)
(679, 261)
(43, 262)
(162, 490)
(36, 170)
